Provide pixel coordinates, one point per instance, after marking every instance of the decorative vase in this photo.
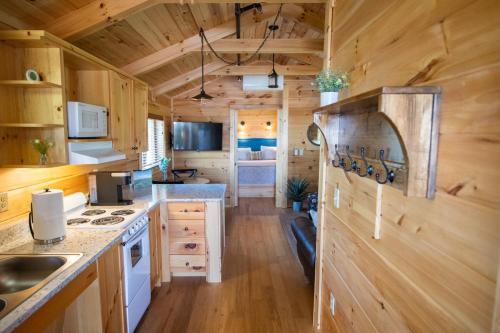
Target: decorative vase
(297, 206)
(329, 97)
(44, 159)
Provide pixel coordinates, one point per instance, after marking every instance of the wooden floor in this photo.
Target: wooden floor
(263, 288)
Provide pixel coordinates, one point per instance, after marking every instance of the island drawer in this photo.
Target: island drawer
(186, 210)
(187, 246)
(187, 263)
(186, 228)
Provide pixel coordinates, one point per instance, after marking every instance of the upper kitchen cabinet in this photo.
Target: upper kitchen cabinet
(37, 109)
(121, 113)
(140, 114)
(129, 113)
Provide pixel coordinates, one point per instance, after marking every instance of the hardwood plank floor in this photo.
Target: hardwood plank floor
(263, 288)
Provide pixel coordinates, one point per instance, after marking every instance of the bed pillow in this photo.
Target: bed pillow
(269, 154)
(244, 154)
(262, 148)
(256, 155)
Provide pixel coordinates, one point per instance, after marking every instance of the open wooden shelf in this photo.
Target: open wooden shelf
(31, 125)
(400, 121)
(29, 84)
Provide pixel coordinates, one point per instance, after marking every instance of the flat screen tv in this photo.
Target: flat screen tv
(197, 136)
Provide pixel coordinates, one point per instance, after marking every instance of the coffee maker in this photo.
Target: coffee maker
(111, 188)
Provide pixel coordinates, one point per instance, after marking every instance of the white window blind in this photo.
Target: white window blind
(156, 144)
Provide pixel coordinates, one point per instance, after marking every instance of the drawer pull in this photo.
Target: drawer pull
(190, 246)
(163, 227)
(186, 228)
(197, 210)
(197, 268)
(185, 211)
(187, 264)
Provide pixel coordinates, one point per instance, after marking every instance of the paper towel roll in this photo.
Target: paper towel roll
(49, 219)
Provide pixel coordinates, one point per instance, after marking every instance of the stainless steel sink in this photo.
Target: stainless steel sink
(21, 275)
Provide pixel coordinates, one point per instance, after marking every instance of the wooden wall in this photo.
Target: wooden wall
(20, 182)
(256, 123)
(435, 267)
(228, 94)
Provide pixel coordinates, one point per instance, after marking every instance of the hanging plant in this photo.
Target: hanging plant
(330, 81)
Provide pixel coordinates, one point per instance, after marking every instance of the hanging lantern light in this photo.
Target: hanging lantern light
(202, 95)
(273, 77)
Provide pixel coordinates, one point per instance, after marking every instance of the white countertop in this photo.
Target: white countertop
(91, 243)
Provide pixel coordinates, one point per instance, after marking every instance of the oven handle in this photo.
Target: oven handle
(139, 234)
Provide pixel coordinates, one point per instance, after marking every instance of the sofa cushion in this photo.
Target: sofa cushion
(305, 234)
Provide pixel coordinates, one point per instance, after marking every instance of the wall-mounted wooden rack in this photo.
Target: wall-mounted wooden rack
(388, 134)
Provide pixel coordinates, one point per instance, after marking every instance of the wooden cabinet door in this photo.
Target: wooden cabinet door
(155, 246)
(140, 117)
(110, 272)
(121, 113)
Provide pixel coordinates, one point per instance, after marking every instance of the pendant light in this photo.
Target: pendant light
(273, 77)
(202, 95)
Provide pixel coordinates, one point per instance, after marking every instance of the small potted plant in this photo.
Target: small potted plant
(164, 162)
(296, 191)
(330, 83)
(42, 147)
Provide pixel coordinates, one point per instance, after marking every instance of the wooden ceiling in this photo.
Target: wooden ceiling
(133, 35)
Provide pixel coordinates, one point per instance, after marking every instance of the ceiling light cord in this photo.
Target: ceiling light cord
(204, 37)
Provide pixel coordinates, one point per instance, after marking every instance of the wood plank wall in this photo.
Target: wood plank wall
(256, 123)
(20, 182)
(435, 267)
(228, 94)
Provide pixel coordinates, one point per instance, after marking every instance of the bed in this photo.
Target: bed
(256, 177)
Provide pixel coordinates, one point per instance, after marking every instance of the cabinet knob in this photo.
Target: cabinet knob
(187, 264)
(163, 227)
(186, 228)
(190, 246)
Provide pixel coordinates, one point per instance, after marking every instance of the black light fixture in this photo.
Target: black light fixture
(242, 123)
(202, 95)
(273, 77)
(268, 125)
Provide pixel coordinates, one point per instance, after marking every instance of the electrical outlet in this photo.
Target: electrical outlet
(4, 202)
(332, 303)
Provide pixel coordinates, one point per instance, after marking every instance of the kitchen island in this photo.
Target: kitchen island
(194, 204)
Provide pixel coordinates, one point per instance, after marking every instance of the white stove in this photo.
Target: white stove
(135, 247)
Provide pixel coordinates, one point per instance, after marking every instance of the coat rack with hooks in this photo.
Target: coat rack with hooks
(388, 135)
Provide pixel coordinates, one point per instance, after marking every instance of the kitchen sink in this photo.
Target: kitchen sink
(21, 275)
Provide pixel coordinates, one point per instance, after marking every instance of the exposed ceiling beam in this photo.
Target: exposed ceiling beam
(187, 77)
(193, 43)
(291, 45)
(308, 59)
(95, 16)
(266, 69)
(99, 14)
(172, 52)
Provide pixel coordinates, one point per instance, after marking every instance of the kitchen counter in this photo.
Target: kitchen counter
(91, 243)
(181, 192)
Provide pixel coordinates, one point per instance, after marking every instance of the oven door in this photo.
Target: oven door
(136, 263)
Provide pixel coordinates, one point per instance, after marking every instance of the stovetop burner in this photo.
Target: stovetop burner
(123, 212)
(76, 221)
(93, 212)
(107, 220)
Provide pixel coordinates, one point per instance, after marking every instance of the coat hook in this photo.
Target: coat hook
(352, 162)
(389, 173)
(337, 165)
(369, 168)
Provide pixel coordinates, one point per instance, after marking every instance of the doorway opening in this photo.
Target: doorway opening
(256, 151)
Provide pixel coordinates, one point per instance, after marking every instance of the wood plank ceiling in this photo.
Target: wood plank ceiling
(158, 26)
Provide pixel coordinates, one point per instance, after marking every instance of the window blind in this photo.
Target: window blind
(156, 144)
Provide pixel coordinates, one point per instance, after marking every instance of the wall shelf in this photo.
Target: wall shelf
(398, 125)
(29, 84)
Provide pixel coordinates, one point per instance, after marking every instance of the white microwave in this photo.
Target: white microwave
(87, 120)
